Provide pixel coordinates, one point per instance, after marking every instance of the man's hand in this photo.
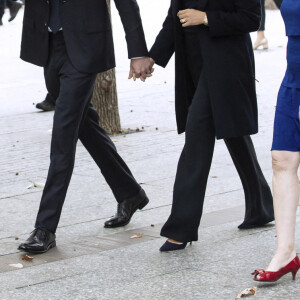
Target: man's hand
(191, 17)
(141, 68)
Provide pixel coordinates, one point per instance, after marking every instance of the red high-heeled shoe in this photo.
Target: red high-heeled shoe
(291, 267)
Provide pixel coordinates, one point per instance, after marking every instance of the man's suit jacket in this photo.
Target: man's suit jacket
(228, 63)
(87, 32)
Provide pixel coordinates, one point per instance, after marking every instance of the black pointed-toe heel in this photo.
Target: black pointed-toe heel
(167, 246)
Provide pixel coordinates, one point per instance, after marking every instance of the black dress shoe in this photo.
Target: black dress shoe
(126, 209)
(14, 10)
(40, 241)
(46, 105)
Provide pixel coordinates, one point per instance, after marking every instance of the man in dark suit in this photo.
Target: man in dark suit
(72, 40)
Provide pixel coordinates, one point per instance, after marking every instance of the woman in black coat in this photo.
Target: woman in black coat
(215, 98)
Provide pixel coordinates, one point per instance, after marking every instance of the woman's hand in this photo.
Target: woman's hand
(191, 17)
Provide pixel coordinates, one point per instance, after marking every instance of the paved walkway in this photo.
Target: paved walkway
(91, 262)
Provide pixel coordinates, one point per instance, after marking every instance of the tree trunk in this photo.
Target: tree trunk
(105, 100)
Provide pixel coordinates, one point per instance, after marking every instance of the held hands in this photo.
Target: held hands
(191, 17)
(141, 68)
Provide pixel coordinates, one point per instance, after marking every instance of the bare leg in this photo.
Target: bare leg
(174, 242)
(286, 199)
(261, 41)
(260, 35)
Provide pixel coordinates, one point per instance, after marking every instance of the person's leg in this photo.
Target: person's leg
(49, 98)
(9, 4)
(48, 104)
(2, 8)
(261, 39)
(286, 199)
(278, 3)
(193, 170)
(51, 75)
(75, 92)
(14, 8)
(93, 137)
(258, 196)
(286, 191)
(128, 193)
(104, 153)
(263, 17)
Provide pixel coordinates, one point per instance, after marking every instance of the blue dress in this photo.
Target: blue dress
(286, 126)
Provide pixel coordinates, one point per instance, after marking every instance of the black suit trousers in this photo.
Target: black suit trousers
(2, 7)
(196, 158)
(74, 119)
(263, 13)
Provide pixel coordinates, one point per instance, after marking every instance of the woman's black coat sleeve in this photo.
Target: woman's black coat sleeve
(164, 45)
(244, 19)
